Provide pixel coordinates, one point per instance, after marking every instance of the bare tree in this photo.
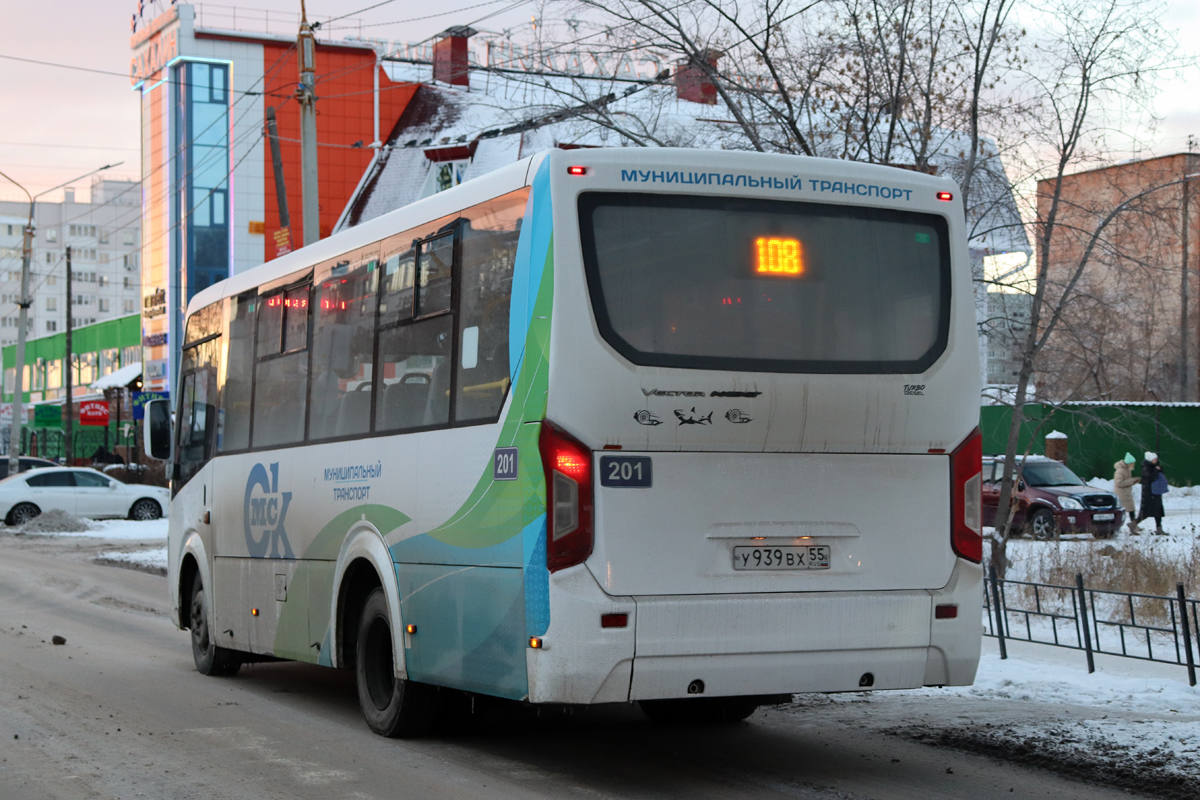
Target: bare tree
(1097, 60)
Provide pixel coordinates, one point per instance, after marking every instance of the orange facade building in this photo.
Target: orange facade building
(1130, 322)
(210, 195)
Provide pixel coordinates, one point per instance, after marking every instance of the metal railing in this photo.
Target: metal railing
(1147, 627)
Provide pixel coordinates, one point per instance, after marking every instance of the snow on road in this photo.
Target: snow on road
(1131, 723)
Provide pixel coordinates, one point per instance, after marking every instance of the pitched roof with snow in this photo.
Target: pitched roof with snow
(504, 116)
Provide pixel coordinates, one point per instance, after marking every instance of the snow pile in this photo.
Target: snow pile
(55, 521)
(123, 529)
(152, 560)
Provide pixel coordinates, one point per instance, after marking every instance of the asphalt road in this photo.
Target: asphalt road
(119, 712)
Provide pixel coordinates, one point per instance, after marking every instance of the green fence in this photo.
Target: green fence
(1098, 435)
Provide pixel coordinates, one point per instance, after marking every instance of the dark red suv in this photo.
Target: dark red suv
(1051, 499)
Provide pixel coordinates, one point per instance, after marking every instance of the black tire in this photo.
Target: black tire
(1041, 525)
(145, 509)
(22, 513)
(699, 711)
(210, 659)
(392, 706)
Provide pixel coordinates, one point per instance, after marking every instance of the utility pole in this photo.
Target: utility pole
(69, 372)
(306, 47)
(285, 220)
(23, 303)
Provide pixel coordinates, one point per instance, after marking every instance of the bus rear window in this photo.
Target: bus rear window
(766, 285)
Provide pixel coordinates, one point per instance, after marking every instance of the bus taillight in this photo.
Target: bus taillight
(568, 466)
(966, 498)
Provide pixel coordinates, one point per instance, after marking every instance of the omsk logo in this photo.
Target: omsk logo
(264, 511)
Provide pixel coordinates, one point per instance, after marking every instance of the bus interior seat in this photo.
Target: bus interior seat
(404, 402)
(437, 408)
(354, 411)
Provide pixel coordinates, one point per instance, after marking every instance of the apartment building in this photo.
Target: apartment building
(104, 235)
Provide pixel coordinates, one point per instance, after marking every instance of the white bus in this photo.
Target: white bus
(688, 428)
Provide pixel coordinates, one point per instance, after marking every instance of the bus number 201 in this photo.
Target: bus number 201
(625, 471)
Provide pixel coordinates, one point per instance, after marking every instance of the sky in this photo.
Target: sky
(60, 123)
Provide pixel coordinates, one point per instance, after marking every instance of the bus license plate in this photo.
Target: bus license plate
(812, 557)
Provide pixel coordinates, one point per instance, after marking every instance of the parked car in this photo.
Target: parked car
(26, 463)
(1051, 499)
(81, 491)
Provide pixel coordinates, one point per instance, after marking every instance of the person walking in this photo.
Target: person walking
(1154, 486)
(1123, 483)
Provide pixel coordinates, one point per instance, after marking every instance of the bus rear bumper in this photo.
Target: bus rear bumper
(738, 645)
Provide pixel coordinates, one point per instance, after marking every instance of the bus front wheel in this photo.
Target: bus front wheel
(210, 659)
(392, 706)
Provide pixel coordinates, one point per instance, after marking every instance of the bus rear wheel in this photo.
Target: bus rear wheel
(210, 659)
(699, 711)
(392, 706)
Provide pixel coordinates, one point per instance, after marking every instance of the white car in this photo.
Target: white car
(79, 491)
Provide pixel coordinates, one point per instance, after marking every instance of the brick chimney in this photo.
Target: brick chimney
(692, 81)
(450, 56)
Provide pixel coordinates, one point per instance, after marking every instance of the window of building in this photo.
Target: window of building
(131, 355)
(128, 238)
(52, 280)
(128, 283)
(51, 234)
(128, 306)
(130, 261)
(51, 326)
(104, 235)
(103, 257)
(49, 258)
(52, 304)
(102, 305)
(102, 279)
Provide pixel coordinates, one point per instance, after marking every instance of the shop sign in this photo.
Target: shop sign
(141, 398)
(154, 339)
(93, 412)
(155, 304)
(283, 242)
(155, 369)
(47, 416)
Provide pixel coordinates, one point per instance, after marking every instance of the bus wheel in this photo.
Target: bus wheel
(1041, 525)
(392, 706)
(210, 659)
(699, 711)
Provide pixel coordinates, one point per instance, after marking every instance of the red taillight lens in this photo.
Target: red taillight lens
(946, 196)
(966, 498)
(577, 170)
(568, 467)
(614, 620)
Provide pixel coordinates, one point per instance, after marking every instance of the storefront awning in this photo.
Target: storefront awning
(119, 379)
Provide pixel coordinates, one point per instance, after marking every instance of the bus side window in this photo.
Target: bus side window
(197, 411)
(414, 354)
(239, 366)
(342, 343)
(280, 377)
(489, 248)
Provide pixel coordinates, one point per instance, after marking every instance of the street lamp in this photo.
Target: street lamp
(23, 303)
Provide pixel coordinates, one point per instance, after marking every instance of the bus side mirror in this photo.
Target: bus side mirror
(156, 430)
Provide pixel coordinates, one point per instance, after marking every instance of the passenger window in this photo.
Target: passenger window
(435, 275)
(281, 374)
(92, 480)
(342, 345)
(50, 479)
(489, 250)
(233, 432)
(399, 280)
(414, 362)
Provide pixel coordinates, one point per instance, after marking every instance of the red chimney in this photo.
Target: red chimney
(450, 56)
(692, 79)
